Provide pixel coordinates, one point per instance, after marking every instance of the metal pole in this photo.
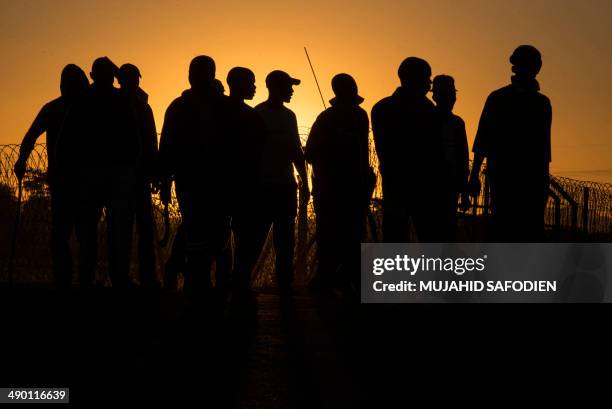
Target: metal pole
(585, 210)
(315, 78)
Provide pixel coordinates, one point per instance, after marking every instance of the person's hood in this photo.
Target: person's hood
(354, 100)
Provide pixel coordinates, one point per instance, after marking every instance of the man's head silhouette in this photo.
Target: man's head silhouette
(415, 75)
(202, 73)
(241, 83)
(345, 90)
(103, 72)
(73, 81)
(444, 92)
(280, 85)
(526, 61)
(129, 77)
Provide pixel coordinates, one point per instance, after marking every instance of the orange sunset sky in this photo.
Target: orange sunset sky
(469, 39)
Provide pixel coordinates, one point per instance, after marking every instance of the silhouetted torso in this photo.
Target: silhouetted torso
(282, 144)
(247, 151)
(454, 143)
(407, 144)
(100, 131)
(514, 131)
(148, 136)
(195, 142)
(50, 120)
(514, 136)
(338, 150)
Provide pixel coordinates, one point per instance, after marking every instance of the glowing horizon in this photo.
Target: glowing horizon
(471, 41)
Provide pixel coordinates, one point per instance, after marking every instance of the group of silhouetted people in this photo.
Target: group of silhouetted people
(233, 167)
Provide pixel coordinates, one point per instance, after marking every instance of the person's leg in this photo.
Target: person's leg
(62, 223)
(327, 260)
(284, 236)
(199, 251)
(89, 211)
(250, 234)
(120, 224)
(224, 257)
(396, 223)
(351, 220)
(146, 244)
(176, 262)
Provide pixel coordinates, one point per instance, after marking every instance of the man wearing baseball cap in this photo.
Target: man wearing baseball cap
(281, 152)
(514, 136)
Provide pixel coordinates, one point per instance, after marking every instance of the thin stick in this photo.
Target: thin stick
(315, 78)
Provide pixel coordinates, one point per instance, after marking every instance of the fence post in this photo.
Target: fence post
(585, 210)
(557, 215)
(486, 194)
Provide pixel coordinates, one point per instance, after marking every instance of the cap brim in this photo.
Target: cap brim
(295, 81)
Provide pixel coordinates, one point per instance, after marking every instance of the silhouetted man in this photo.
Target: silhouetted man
(194, 150)
(176, 261)
(410, 156)
(247, 224)
(146, 171)
(100, 149)
(50, 119)
(514, 136)
(456, 157)
(282, 151)
(337, 148)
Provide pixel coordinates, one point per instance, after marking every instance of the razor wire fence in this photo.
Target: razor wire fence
(573, 205)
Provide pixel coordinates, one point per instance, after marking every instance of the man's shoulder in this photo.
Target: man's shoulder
(458, 120)
(262, 106)
(543, 99)
(361, 112)
(289, 112)
(54, 105)
(383, 104)
(178, 103)
(501, 92)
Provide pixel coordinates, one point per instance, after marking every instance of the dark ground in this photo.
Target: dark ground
(311, 352)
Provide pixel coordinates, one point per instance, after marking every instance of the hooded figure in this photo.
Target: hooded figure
(50, 120)
(337, 148)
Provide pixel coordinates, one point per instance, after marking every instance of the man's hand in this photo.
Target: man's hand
(20, 168)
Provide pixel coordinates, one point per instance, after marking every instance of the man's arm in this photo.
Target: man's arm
(167, 152)
(150, 141)
(379, 133)
(38, 127)
(548, 125)
(299, 161)
(315, 140)
(481, 147)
